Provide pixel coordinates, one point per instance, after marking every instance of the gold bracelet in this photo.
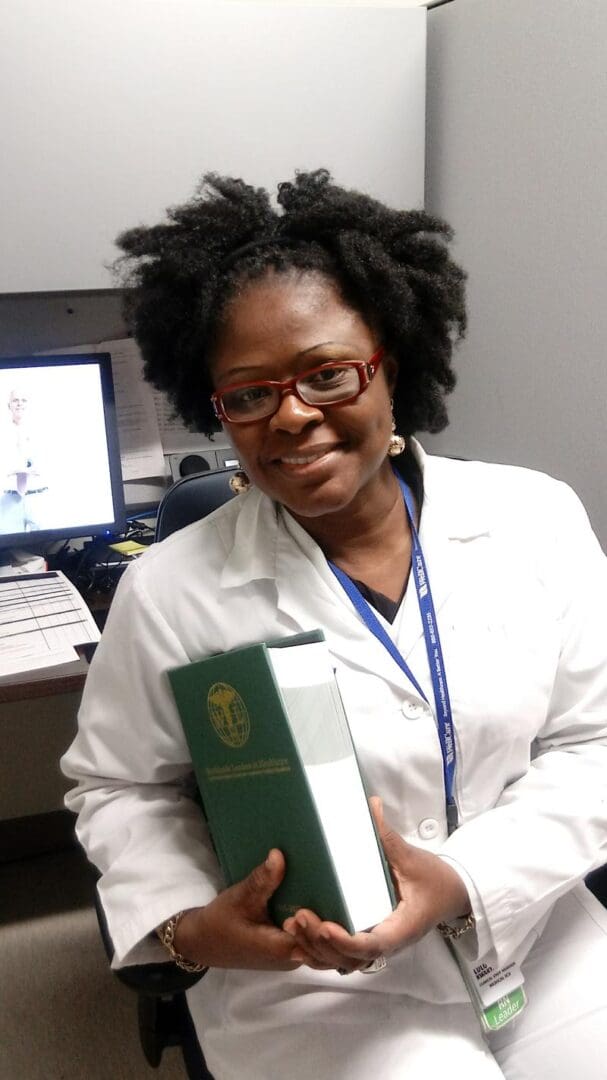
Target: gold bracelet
(166, 933)
(454, 932)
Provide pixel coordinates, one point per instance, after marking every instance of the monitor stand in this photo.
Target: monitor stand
(14, 561)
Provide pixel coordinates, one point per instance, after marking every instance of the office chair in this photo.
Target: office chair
(192, 498)
(164, 1018)
(162, 1012)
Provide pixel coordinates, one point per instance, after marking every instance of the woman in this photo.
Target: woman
(323, 335)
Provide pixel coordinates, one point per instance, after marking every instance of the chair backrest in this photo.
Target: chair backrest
(192, 498)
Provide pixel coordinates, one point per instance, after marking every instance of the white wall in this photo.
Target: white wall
(348, 3)
(342, 3)
(112, 109)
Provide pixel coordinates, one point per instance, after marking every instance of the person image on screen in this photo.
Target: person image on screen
(320, 334)
(22, 500)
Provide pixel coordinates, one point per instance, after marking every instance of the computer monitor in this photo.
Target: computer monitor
(60, 471)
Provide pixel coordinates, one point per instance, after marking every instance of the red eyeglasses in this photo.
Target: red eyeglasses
(328, 384)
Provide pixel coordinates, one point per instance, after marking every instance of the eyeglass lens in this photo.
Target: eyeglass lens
(326, 386)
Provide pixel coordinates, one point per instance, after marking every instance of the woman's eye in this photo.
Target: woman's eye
(254, 393)
(329, 377)
(249, 395)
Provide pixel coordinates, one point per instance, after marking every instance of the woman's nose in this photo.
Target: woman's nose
(293, 414)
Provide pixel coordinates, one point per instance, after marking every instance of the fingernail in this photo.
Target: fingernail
(302, 921)
(297, 957)
(268, 862)
(324, 935)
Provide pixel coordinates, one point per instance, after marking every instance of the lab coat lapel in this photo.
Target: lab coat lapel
(440, 555)
(447, 522)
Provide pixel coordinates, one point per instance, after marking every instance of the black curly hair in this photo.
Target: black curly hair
(392, 266)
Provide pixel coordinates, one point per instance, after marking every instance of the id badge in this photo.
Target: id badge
(497, 994)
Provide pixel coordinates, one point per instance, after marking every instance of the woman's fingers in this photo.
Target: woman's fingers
(234, 930)
(309, 937)
(254, 891)
(329, 944)
(385, 938)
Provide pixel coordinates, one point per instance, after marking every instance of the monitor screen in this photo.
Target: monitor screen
(59, 456)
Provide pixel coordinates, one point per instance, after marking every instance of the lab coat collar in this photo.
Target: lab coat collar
(451, 505)
(252, 556)
(451, 515)
(447, 513)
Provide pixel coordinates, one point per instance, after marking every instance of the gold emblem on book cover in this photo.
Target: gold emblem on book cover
(228, 715)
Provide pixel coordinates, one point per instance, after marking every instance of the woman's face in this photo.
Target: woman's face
(314, 461)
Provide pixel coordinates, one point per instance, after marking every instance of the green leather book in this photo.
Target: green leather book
(276, 767)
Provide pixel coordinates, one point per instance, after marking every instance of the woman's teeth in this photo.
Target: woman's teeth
(303, 459)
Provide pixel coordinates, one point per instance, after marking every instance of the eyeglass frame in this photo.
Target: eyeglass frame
(366, 370)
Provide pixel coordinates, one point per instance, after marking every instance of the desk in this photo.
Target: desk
(37, 723)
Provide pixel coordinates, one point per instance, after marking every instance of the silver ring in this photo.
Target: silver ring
(378, 964)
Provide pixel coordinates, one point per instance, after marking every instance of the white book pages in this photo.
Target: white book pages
(340, 798)
(319, 725)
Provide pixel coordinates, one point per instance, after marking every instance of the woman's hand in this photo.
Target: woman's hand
(235, 930)
(429, 892)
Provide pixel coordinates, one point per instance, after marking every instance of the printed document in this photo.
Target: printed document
(42, 618)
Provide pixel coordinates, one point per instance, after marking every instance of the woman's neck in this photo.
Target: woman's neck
(370, 539)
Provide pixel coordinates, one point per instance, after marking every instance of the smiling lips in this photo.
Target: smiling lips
(305, 459)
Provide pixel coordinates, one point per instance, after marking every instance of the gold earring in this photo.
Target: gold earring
(239, 483)
(397, 442)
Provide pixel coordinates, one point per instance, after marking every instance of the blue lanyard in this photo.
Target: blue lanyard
(434, 651)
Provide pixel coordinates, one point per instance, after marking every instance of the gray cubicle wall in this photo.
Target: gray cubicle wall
(517, 162)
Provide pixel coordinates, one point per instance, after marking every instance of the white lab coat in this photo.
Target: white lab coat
(520, 589)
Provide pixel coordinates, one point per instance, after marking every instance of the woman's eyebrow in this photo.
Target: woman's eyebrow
(250, 368)
(319, 345)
